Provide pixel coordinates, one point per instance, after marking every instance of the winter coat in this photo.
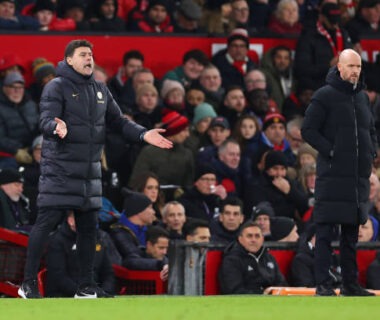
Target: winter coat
(13, 215)
(242, 272)
(70, 167)
(339, 125)
(18, 124)
(219, 234)
(63, 274)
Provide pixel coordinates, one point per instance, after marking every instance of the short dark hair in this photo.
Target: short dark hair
(281, 48)
(132, 54)
(197, 55)
(74, 44)
(248, 224)
(231, 201)
(154, 233)
(192, 224)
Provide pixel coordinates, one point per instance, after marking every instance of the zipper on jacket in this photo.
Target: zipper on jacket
(357, 153)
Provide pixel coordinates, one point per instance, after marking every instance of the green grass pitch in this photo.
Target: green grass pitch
(192, 308)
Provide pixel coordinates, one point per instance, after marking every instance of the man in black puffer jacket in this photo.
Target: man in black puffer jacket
(340, 126)
(75, 110)
(247, 267)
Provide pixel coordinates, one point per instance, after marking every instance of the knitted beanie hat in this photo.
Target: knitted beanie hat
(134, 202)
(174, 123)
(203, 110)
(169, 85)
(42, 68)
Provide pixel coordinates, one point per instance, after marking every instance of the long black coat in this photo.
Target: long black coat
(339, 125)
(70, 167)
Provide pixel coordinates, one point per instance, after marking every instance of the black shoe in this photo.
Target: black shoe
(91, 292)
(29, 290)
(354, 290)
(325, 291)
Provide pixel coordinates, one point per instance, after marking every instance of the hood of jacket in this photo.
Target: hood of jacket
(65, 70)
(333, 78)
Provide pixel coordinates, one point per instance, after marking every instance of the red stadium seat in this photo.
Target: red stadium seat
(212, 265)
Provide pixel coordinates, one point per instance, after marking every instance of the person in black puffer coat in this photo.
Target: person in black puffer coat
(339, 125)
(75, 110)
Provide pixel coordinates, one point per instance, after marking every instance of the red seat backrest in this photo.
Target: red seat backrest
(212, 265)
(364, 258)
(284, 260)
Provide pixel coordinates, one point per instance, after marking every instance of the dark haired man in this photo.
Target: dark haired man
(74, 113)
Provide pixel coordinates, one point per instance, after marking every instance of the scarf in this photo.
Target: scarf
(336, 48)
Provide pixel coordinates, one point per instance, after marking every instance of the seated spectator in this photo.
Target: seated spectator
(194, 96)
(43, 72)
(247, 133)
(10, 62)
(154, 255)
(75, 10)
(234, 62)
(260, 11)
(187, 18)
(173, 96)
(105, 17)
(260, 104)
(100, 74)
(262, 214)
(255, 79)
(174, 218)
(172, 166)
(129, 233)
(203, 115)
(201, 200)
(293, 134)
(225, 227)
(120, 84)
(193, 62)
(156, 18)
(149, 184)
(286, 196)
(302, 267)
(218, 132)
(10, 20)
(211, 84)
(283, 229)
(239, 17)
(307, 176)
(285, 19)
(369, 231)
(234, 105)
(197, 231)
(247, 267)
(18, 122)
(14, 206)
(63, 268)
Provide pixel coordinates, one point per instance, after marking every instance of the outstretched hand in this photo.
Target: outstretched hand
(60, 129)
(156, 139)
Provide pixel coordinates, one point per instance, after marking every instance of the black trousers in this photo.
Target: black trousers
(323, 251)
(47, 219)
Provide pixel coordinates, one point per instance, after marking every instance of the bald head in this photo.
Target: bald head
(349, 65)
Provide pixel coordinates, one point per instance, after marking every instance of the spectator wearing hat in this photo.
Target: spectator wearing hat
(218, 132)
(156, 18)
(193, 62)
(262, 213)
(234, 61)
(283, 229)
(121, 82)
(187, 18)
(225, 227)
(210, 81)
(173, 166)
(285, 195)
(317, 50)
(146, 109)
(105, 17)
(43, 72)
(18, 121)
(234, 105)
(45, 12)
(247, 266)
(366, 21)
(173, 96)
(10, 20)
(14, 206)
(202, 199)
(10, 62)
(203, 115)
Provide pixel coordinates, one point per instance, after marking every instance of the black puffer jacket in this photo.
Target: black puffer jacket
(70, 167)
(18, 124)
(242, 272)
(340, 126)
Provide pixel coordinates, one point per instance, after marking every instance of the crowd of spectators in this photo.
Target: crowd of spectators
(234, 119)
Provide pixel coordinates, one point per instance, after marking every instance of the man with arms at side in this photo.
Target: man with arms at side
(74, 113)
(339, 125)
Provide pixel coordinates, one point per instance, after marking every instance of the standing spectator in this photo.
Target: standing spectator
(121, 82)
(339, 125)
(71, 153)
(193, 62)
(18, 122)
(318, 48)
(247, 267)
(234, 62)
